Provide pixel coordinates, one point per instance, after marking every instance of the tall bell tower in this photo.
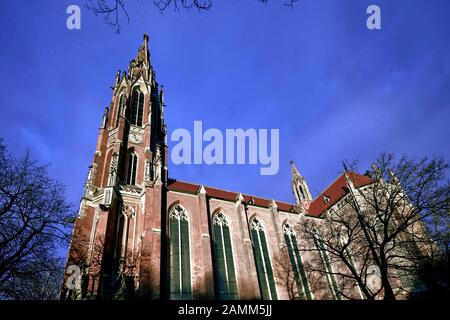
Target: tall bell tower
(118, 228)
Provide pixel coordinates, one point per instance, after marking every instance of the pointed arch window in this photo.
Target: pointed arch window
(226, 275)
(137, 108)
(180, 262)
(122, 101)
(262, 259)
(325, 259)
(296, 262)
(131, 170)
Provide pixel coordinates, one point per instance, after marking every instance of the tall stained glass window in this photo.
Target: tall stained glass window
(180, 262)
(262, 260)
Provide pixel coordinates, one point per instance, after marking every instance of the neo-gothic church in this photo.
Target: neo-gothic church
(142, 235)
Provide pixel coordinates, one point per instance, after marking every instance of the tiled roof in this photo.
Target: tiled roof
(181, 186)
(335, 192)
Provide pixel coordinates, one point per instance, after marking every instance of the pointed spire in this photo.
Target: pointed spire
(143, 54)
(295, 172)
(116, 83)
(352, 190)
(299, 186)
(145, 41)
(349, 181)
(141, 64)
(105, 118)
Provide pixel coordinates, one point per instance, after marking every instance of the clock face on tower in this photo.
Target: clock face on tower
(135, 138)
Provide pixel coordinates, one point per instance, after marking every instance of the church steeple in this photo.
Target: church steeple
(133, 129)
(128, 170)
(299, 186)
(141, 64)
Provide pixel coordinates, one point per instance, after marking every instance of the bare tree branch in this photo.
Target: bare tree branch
(112, 10)
(380, 238)
(33, 225)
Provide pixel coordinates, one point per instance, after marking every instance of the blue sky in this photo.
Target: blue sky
(334, 89)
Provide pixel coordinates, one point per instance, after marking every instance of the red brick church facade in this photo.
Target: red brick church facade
(139, 234)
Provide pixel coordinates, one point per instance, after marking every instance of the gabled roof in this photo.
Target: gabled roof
(181, 186)
(335, 192)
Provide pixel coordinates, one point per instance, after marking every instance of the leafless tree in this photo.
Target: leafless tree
(375, 241)
(34, 220)
(113, 10)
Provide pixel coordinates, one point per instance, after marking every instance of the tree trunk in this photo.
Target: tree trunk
(388, 292)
